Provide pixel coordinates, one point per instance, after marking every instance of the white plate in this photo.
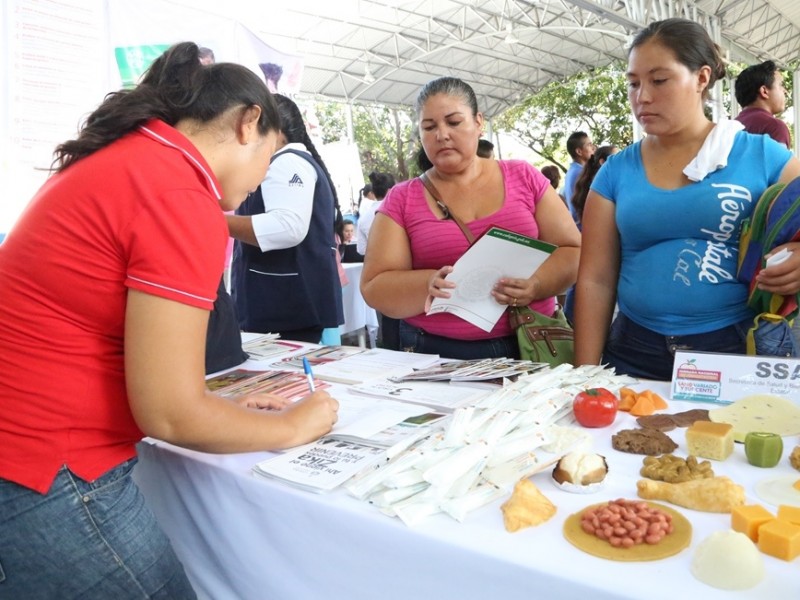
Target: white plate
(576, 488)
(779, 490)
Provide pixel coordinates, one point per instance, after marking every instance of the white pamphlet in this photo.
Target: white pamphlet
(496, 254)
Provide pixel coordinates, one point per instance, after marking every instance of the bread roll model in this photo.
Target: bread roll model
(580, 469)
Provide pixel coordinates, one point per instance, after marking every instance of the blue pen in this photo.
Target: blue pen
(309, 375)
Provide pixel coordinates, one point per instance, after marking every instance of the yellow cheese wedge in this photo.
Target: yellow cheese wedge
(789, 513)
(747, 519)
(780, 539)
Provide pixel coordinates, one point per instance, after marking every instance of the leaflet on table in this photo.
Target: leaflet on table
(403, 433)
(496, 254)
(348, 364)
(483, 369)
(268, 346)
(323, 465)
(430, 393)
(363, 417)
(317, 356)
(240, 382)
(334, 459)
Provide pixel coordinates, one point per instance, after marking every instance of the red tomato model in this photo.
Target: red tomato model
(595, 407)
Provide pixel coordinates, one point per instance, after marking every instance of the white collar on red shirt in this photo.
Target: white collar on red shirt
(169, 136)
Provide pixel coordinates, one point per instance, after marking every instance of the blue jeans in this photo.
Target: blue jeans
(85, 540)
(639, 352)
(413, 339)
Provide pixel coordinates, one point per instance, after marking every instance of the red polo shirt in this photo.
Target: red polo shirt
(142, 213)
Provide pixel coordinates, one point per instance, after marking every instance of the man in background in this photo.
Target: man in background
(580, 148)
(485, 148)
(760, 92)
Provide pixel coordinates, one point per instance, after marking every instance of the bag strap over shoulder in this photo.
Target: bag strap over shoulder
(426, 181)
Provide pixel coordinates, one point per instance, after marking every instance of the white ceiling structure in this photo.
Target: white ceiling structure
(383, 51)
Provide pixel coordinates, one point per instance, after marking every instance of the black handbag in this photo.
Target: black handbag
(223, 337)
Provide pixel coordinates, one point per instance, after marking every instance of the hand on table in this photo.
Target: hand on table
(265, 401)
(313, 416)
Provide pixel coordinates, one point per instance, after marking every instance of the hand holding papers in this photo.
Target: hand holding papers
(496, 254)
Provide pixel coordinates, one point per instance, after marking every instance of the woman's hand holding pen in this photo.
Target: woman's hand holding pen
(313, 416)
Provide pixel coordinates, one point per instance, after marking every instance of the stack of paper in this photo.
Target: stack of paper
(497, 253)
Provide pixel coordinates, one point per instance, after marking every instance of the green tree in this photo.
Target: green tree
(385, 135)
(595, 101)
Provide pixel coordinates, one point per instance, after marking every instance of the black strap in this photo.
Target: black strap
(426, 181)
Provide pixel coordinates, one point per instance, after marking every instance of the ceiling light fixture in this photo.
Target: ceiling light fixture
(510, 38)
(368, 76)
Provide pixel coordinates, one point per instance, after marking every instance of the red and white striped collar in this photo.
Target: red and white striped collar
(169, 136)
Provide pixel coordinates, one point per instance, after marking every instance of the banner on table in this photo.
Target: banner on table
(725, 378)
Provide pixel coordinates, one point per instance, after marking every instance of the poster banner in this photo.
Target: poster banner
(137, 39)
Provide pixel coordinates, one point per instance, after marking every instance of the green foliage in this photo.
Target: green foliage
(595, 101)
(385, 136)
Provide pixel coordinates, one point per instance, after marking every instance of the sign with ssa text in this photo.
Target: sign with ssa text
(725, 378)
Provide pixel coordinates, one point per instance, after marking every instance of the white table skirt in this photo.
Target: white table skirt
(357, 314)
(246, 538)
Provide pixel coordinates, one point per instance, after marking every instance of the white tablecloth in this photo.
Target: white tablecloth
(246, 538)
(357, 314)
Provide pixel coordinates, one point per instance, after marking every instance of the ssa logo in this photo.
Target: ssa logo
(778, 370)
(295, 181)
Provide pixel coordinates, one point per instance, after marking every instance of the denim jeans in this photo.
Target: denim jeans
(85, 540)
(637, 351)
(413, 339)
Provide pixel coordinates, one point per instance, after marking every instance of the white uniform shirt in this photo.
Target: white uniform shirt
(364, 224)
(288, 192)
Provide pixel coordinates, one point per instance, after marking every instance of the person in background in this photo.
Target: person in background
(380, 184)
(412, 245)
(553, 175)
(348, 250)
(485, 148)
(207, 56)
(580, 148)
(348, 232)
(364, 194)
(423, 162)
(663, 223)
(584, 182)
(103, 342)
(284, 276)
(582, 186)
(760, 92)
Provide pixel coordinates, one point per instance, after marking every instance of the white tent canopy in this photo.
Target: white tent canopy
(383, 51)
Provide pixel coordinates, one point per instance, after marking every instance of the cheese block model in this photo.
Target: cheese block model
(780, 539)
(710, 440)
(747, 519)
(789, 513)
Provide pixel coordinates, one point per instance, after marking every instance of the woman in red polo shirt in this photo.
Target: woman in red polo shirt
(106, 283)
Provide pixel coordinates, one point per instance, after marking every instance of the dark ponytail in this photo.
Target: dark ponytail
(175, 87)
(294, 128)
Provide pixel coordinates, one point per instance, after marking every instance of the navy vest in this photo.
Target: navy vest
(291, 288)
